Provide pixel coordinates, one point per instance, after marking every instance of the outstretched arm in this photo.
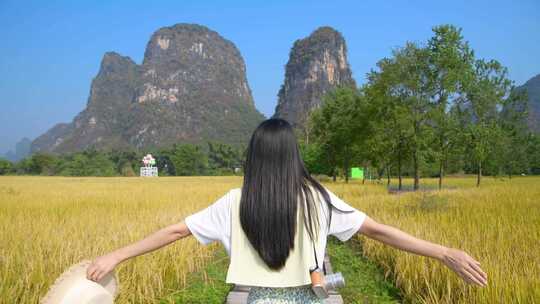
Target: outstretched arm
(457, 260)
(106, 263)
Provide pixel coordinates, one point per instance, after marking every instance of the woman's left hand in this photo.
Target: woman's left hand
(101, 266)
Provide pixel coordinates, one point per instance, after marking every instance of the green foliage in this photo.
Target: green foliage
(314, 158)
(337, 127)
(426, 110)
(87, 163)
(188, 159)
(42, 163)
(484, 98)
(6, 167)
(405, 91)
(127, 170)
(450, 70)
(223, 158)
(533, 152)
(179, 159)
(125, 161)
(510, 155)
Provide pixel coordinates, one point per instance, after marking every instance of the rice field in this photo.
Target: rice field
(498, 224)
(49, 223)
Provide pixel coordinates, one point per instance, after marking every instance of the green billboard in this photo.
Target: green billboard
(357, 173)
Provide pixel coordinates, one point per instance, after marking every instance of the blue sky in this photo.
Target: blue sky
(51, 50)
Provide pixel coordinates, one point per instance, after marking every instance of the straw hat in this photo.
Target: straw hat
(72, 287)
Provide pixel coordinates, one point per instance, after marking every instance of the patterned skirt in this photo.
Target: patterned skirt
(283, 295)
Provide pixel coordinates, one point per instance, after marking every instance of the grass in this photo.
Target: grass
(50, 223)
(365, 281)
(206, 285)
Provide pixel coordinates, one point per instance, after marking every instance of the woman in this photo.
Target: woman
(272, 226)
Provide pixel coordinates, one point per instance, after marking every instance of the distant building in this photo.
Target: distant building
(149, 169)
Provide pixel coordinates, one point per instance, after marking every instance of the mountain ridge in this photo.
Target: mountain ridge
(191, 87)
(532, 87)
(317, 64)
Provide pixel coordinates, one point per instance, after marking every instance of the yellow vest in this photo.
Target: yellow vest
(247, 268)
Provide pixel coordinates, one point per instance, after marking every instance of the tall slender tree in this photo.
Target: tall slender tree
(485, 96)
(388, 141)
(450, 68)
(337, 124)
(515, 133)
(405, 83)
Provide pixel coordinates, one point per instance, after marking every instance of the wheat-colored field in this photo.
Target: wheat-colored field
(49, 223)
(498, 224)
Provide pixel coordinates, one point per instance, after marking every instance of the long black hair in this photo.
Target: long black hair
(275, 183)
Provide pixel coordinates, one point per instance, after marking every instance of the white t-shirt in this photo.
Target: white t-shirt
(214, 222)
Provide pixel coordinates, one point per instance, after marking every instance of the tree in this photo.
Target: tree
(223, 158)
(403, 94)
(188, 159)
(413, 91)
(533, 152)
(6, 166)
(321, 136)
(337, 126)
(164, 164)
(314, 158)
(388, 141)
(124, 161)
(514, 130)
(450, 69)
(87, 163)
(42, 163)
(485, 96)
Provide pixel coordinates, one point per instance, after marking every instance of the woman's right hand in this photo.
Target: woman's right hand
(465, 266)
(101, 266)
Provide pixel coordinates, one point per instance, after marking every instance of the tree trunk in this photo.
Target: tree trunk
(380, 174)
(346, 166)
(441, 172)
(388, 175)
(364, 177)
(479, 176)
(442, 163)
(400, 184)
(416, 169)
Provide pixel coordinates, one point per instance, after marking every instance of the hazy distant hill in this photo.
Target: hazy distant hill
(22, 149)
(316, 65)
(190, 87)
(532, 86)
